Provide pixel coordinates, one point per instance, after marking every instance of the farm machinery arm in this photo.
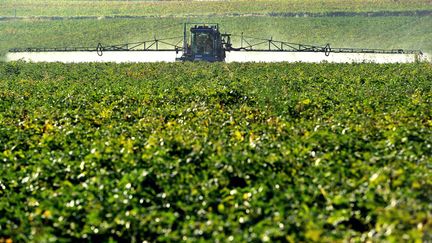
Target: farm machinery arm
(269, 45)
(148, 45)
(206, 43)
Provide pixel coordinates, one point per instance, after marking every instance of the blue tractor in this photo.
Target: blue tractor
(206, 44)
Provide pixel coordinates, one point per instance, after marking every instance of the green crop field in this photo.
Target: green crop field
(251, 152)
(217, 152)
(201, 8)
(396, 24)
(378, 32)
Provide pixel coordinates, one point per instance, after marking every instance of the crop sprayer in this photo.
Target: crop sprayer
(205, 42)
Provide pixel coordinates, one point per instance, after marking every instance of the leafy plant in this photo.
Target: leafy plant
(198, 151)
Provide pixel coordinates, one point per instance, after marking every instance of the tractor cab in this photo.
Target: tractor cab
(205, 44)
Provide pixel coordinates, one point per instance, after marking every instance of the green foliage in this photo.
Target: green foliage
(201, 8)
(198, 151)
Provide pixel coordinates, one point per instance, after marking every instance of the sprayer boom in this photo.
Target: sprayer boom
(205, 42)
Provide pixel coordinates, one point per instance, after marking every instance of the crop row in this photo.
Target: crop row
(197, 151)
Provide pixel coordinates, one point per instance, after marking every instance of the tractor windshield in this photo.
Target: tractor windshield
(202, 43)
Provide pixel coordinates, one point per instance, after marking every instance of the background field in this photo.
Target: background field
(202, 8)
(394, 25)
